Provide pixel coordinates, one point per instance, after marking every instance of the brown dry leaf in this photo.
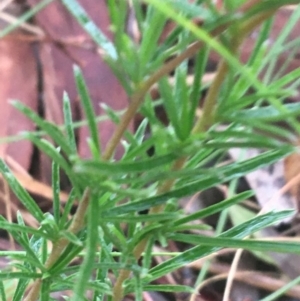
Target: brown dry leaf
(292, 176)
(57, 60)
(18, 78)
(19, 81)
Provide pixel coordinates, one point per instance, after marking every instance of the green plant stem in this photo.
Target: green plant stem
(118, 290)
(61, 244)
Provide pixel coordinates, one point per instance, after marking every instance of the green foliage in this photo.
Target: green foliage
(127, 206)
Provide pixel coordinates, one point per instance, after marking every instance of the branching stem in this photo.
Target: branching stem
(202, 124)
(61, 244)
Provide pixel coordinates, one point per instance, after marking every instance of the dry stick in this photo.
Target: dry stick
(254, 278)
(194, 296)
(61, 244)
(231, 274)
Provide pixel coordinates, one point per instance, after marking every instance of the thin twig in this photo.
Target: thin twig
(231, 274)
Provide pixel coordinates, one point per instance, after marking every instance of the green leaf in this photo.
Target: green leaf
(269, 113)
(252, 245)
(150, 35)
(204, 36)
(215, 244)
(141, 218)
(20, 289)
(2, 292)
(19, 275)
(98, 167)
(200, 65)
(87, 265)
(181, 99)
(72, 238)
(88, 109)
(68, 206)
(21, 193)
(69, 124)
(91, 28)
(68, 255)
(20, 220)
(50, 129)
(214, 208)
(220, 175)
(169, 288)
(24, 229)
(169, 104)
(275, 295)
(56, 191)
(190, 9)
(47, 148)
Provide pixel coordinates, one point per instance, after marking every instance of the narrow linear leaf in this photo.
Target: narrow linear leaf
(201, 250)
(67, 209)
(21, 193)
(20, 289)
(169, 288)
(204, 36)
(101, 167)
(141, 218)
(88, 108)
(275, 295)
(56, 191)
(91, 28)
(252, 245)
(215, 208)
(50, 129)
(2, 291)
(24, 229)
(150, 35)
(19, 275)
(92, 240)
(53, 153)
(265, 113)
(69, 123)
(221, 175)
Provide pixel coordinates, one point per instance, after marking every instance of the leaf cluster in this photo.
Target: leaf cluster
(128, 206)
